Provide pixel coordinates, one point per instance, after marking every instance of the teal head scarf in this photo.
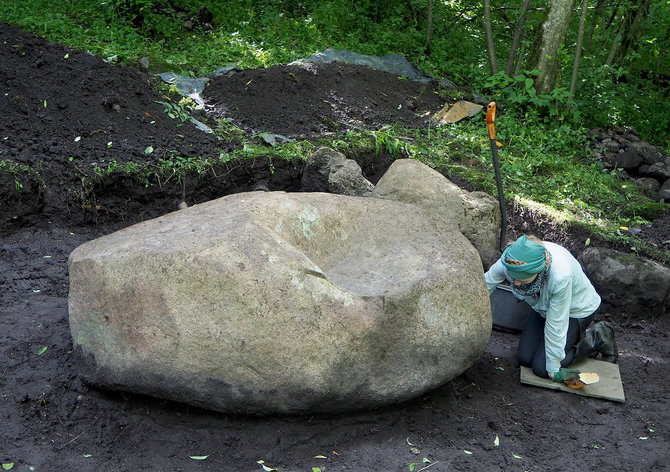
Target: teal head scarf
(530, 252)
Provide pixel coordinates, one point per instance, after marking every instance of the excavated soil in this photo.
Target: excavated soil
(64, 112)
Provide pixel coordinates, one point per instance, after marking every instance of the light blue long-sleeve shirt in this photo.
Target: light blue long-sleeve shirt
(567, 293)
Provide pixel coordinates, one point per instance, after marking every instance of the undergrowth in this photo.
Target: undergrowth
(544, 153)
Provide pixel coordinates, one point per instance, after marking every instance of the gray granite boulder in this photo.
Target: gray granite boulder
(475, 214)
(328, 170)
(269, 302)
(632, 284)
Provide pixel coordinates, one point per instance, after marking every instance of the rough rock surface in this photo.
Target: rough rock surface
(280, 303)
(330, 171)
(476, 214)
(622, 149)
(633, 284)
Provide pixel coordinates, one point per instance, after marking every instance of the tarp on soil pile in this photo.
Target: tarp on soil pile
(190, 87)
(393, 63)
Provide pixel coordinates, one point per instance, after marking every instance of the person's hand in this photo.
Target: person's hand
(563, 374)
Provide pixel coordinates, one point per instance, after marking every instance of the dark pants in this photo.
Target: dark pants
(531, 345)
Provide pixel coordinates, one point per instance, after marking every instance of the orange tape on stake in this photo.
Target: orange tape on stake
(490, 119)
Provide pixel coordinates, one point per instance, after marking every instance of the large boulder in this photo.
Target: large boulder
(631, 284)
(475, 214)
(280, 303)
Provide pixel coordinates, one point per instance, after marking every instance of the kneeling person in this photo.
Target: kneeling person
(552, 281)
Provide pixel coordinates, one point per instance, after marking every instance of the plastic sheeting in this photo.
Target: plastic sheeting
(393, 63)
(186, 85)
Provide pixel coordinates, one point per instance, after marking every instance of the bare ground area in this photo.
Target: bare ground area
(60, 110)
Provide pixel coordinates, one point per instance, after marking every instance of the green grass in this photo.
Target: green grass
(545, 162)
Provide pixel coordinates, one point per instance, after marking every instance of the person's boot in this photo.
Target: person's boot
(598, 339)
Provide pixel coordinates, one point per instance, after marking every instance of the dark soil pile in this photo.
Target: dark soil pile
(482, 420)
(304, 100)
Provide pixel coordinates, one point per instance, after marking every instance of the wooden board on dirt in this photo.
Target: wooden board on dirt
(609, 387)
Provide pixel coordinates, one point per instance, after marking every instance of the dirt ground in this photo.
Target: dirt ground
(50, 420)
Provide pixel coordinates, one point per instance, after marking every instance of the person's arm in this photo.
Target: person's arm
(494, 276)
(556, 326)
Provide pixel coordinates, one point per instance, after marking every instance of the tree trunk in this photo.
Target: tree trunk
(429, 27)
(631, 29)
(519, 60)
(613, 49)
(600, 12)
(517, 36)
(553, 34)
(493, 63)
(578, 49)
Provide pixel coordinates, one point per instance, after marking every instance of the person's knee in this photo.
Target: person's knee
(539, 367)
(525, 357)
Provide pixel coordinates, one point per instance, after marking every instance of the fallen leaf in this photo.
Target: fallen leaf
(414, 450)
(500, 368)
(8, 466)
(496, 441)
(87, 455)
(517, 457)
(410, 443)
(426, 460)
(644, 438)
(469, 453)
(198, 458)
(320, 457)
(42, 350)
(148, 150)
(316, 469)
(265, 467)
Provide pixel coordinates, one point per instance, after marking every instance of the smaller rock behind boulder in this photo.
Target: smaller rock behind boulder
(330, 171)
(634, 285)
(475, 214)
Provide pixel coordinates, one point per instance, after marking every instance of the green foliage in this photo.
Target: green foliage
(20, 174)
(544, 158)
(387, 140)
(176, 111)
(647, 211)
(518, 94)
(614, 97)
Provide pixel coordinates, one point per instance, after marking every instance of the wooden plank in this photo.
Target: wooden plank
(609, 387)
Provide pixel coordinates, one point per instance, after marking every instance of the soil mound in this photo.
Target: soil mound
(311, 99)
(71, 110)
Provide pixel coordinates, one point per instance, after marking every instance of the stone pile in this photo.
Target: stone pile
(647, 165)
